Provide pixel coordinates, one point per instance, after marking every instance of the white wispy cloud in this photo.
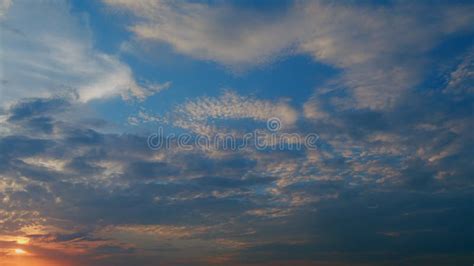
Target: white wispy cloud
(461, 80)
(46, 47)
(219, 33)
(378, 48)
(4, 6)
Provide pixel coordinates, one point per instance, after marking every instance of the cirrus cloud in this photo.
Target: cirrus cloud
(379, 49)
(46, 47)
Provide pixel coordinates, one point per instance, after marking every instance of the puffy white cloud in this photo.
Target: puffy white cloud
(230, 105)
(47, 51)
(195, 115)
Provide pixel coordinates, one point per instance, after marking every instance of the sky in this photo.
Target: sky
(363, 112)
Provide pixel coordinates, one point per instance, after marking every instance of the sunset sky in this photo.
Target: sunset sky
(387, 88)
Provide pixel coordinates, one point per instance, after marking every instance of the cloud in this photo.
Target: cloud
(4, 6)
(219, 33)
(461, 80)
(198, 115)
(380, 49)
(167, 231)
(47, 47)
(97, 197)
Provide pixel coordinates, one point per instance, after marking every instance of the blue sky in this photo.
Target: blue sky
(387, 88)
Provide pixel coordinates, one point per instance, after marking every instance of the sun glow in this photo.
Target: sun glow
(19, 251)
(22, 240)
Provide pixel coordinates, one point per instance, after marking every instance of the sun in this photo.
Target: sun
(22, 240)
(19, 251)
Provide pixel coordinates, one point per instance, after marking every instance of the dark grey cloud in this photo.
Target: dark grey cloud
(29, 108)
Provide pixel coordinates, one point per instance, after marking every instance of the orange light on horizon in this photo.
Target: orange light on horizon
(22, 240)
(19, 251)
